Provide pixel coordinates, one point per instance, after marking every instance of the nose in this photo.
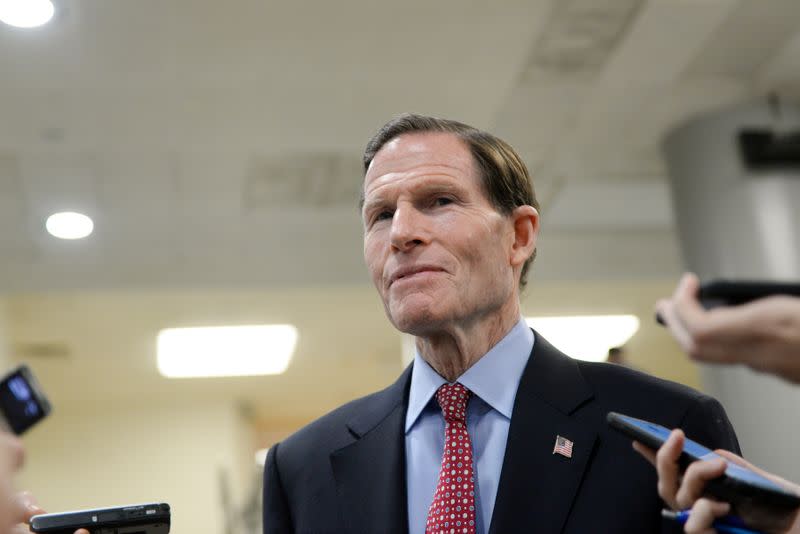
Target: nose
(408, 228)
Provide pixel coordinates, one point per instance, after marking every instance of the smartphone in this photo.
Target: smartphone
(738, 485)
(721, 292)
(732, 292)
(150, 518)
(22, 402)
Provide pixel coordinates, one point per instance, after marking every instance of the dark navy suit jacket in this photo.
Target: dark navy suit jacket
(345, 472)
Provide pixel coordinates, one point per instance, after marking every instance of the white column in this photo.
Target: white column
(740, 223)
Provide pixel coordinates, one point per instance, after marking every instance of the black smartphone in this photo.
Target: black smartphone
(150, 518)
(22, 401)
(743, 488)
(722, 292)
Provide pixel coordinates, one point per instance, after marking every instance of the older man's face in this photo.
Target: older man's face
(437, 250)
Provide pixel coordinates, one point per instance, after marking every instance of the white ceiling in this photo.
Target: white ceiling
(217, 144)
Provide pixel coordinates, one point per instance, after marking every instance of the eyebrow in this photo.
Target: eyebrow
(367, 205)
(449, 185)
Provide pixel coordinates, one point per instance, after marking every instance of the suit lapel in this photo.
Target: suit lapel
(537, 487)
(370, 473)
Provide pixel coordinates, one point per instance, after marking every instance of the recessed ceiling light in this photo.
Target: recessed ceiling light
(26, 13)
(225, 350)
(69, 225)
(586, 337)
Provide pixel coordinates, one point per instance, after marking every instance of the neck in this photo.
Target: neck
(455, 350)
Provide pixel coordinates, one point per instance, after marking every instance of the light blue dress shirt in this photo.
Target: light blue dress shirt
(493, 380)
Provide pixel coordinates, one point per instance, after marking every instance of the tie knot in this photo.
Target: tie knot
(453, 400)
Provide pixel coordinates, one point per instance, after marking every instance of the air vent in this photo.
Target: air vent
(303, 179)
(579, 38)
(44, 350)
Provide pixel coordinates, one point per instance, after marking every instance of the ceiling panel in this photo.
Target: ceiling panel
(218, 144)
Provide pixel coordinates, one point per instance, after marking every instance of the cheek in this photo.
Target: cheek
(373, 259)
(489, 261)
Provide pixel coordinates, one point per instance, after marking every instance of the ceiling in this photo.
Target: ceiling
(217, 147)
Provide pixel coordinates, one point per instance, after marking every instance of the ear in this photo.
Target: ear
(525, 220)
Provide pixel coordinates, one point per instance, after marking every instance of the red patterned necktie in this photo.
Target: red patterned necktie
(453, 508)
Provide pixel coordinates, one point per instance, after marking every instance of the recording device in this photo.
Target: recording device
(150, 518)
(733, 292)
(721, 292)
(749, 493)
(22, 401)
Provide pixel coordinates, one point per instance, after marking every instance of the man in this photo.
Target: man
(450, 229)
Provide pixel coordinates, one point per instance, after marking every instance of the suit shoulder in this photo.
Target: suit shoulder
(609, 377)
(667, 403)
(618, 388)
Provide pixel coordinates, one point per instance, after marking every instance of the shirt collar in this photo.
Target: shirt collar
(494, 378)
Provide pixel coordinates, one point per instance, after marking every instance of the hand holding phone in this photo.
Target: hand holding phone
(760, 499)
(721, 292)
(762, 333)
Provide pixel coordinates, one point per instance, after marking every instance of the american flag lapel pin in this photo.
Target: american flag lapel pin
(563, 447)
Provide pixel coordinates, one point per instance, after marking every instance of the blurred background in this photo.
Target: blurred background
(216, 146)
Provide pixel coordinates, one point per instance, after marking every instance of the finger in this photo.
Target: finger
(25, 506)
(15, 451)
(667, 467)
(666, 309)
(685, 296)
(695, 479)
(744, 463)
(703, 514)
(735, 458)
(648, 453)
(685, 312)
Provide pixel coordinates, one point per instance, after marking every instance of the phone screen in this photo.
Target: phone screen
(698, 452)
(21, 402)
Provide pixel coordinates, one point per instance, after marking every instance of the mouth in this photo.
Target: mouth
(415, 270)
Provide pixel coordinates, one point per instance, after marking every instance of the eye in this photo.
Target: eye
(383, 215)
(443, 201)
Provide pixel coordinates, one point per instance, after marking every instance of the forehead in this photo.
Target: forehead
(418, 155)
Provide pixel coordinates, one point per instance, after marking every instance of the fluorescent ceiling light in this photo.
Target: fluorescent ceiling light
(26, 13)
(225, 350)
(69, 225)
(586, 337)
(261, 456)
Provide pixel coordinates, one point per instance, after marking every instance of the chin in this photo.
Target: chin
(417, 320)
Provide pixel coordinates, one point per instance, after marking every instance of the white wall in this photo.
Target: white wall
(109, 455)
(4, 346)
